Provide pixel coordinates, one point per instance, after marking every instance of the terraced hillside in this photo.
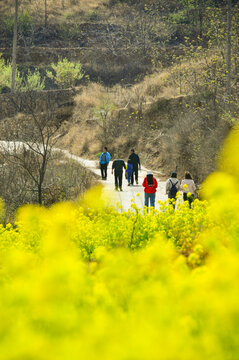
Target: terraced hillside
(156, 75)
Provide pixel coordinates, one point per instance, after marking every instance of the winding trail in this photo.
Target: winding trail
(123, 198)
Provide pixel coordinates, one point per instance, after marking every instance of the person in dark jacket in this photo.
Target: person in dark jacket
(117, 167)
(104, 162)
(136, 166)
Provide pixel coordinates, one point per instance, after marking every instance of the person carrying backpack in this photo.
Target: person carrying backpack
(150, 185)
(172, 186)
(104, 162)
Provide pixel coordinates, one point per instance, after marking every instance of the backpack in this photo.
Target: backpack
(173, 191)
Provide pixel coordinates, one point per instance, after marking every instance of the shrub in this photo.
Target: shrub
(6, 76)
(65, 73)
(33, 81)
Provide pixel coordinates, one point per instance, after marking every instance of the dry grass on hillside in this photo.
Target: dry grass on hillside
(54, 7)
(84, 136)
(180, 79)
(89, 95)
(122, 98)
(157, 133)
(81, 140)
(81, 135)
(161, 85)
(162, 134)
(150, 89)
(157, 85)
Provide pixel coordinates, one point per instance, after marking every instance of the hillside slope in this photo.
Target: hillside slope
(157, 76)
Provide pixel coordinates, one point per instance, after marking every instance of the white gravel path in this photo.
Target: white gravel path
(122, 197)
(129, 192)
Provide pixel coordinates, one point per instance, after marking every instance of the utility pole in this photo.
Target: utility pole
(229, 26)
(45, 13)
(14, 49)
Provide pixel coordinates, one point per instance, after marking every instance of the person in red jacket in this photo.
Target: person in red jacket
(150, 185)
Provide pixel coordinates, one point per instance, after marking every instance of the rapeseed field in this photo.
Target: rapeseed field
(84, 281)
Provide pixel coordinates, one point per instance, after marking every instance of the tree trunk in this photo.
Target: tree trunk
(42, 175)
(200, 22)
(14, 49)
(45, 13)
(40, 194)
(229, 25)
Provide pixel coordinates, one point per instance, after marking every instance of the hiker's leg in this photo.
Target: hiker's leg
(129, 178)
(146, 199)
(190, 200)
(116, 180)
(136, 175)
(106, 171)
(102, 170)
(120, 180)
(185, 197)
(132, 178)
(152, 199)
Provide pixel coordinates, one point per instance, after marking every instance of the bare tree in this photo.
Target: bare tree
(14, 47)
(31, 138)
(103, 113)
(140, 36)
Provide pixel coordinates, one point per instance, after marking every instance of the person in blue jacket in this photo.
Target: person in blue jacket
(129, 171)
(104, 162)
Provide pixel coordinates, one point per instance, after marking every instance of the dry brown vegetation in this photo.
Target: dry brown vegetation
(169, 99)
(55, 6)
(170, 130)
(65, 180)
(34, 172)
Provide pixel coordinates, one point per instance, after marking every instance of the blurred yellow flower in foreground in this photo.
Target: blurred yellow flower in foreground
(84, 280)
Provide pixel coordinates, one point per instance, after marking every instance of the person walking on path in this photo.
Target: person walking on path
(104, 162)
(129, 171)
(136, 166)
(172, 187)
(117, 167)
(188, 188)
(150, 185)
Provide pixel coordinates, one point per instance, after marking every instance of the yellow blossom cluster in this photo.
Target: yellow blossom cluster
(82, 280)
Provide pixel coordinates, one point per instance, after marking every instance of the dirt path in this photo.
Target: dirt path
(124, 197)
